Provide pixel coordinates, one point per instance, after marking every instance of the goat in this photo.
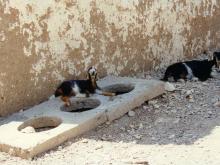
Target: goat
(189, 69)
(80, 88)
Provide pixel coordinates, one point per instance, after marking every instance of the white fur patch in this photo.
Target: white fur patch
(92, 70)
(76, 89)
(189, 71)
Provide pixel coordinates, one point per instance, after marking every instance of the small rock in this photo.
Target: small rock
(189, 92)
(28, 129)
(195, 79)
(217, 104)
(171, 136)
(84, 141)
(169, 87)
(108, 123)
(131, 113)
(131, 126)
(152, 102)
(60, 148)
(138, 137)
(176, 121)
(145, 107)
(156, 106)
(11, 151)
(181, 80)
(191, 100)
(99, 147)
(140, 126)
(21, 110)
(69, 143)
(122, 129)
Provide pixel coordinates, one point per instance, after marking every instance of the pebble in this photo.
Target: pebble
(156, 106)
(189, 92)
(84, 141)
(169, 87)
(131, 113)
(138, 137)
(60, 148)
(145, 107)
(181, 80)
(217, 104)
(195, 79)
(99, 147)
(140, 126)
(122, 129)
(152, 102)
(108, 123)
(191, 100)
(171, 136)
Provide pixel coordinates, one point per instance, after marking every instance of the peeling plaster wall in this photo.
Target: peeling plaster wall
(45, 42)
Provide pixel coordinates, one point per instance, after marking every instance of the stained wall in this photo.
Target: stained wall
(45, 42)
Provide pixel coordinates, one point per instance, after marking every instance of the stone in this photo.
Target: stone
(138, 137)
(98, 147)
(156, 106)
(60, 148)
(131, 113)
(169, 87)
(217, 104)
(191, 100)
(145, 107)
(181, 80)
(195, 79)
(140, 126)
(189, 92)
(84, 141)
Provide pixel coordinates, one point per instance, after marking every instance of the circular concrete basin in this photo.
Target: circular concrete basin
(81, 105)
(39, 124)
(119, 88)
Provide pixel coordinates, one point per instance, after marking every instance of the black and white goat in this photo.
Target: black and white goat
(188, 70)
(80, 88)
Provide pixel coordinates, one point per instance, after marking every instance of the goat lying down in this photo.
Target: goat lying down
(187, 70)
(80, 88)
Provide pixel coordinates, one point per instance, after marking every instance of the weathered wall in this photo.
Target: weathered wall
(44, 42)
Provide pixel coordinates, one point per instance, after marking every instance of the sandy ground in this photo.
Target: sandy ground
(178, 128)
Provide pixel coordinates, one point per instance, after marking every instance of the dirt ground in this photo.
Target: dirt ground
(177, 128)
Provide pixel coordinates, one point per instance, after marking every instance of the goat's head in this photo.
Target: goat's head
(216, 58)
(92, 73)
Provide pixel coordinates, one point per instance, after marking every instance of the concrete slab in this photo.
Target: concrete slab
(66, 125)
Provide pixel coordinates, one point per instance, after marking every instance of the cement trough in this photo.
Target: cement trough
(53, 124)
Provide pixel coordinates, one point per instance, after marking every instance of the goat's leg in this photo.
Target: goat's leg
(98, 91)
(66, 100)
(108, 93)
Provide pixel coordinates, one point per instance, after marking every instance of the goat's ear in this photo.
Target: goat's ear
(58, 92)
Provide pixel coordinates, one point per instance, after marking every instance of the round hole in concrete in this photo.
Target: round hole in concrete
(39, 124)
(119, 88)
(81, 105)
